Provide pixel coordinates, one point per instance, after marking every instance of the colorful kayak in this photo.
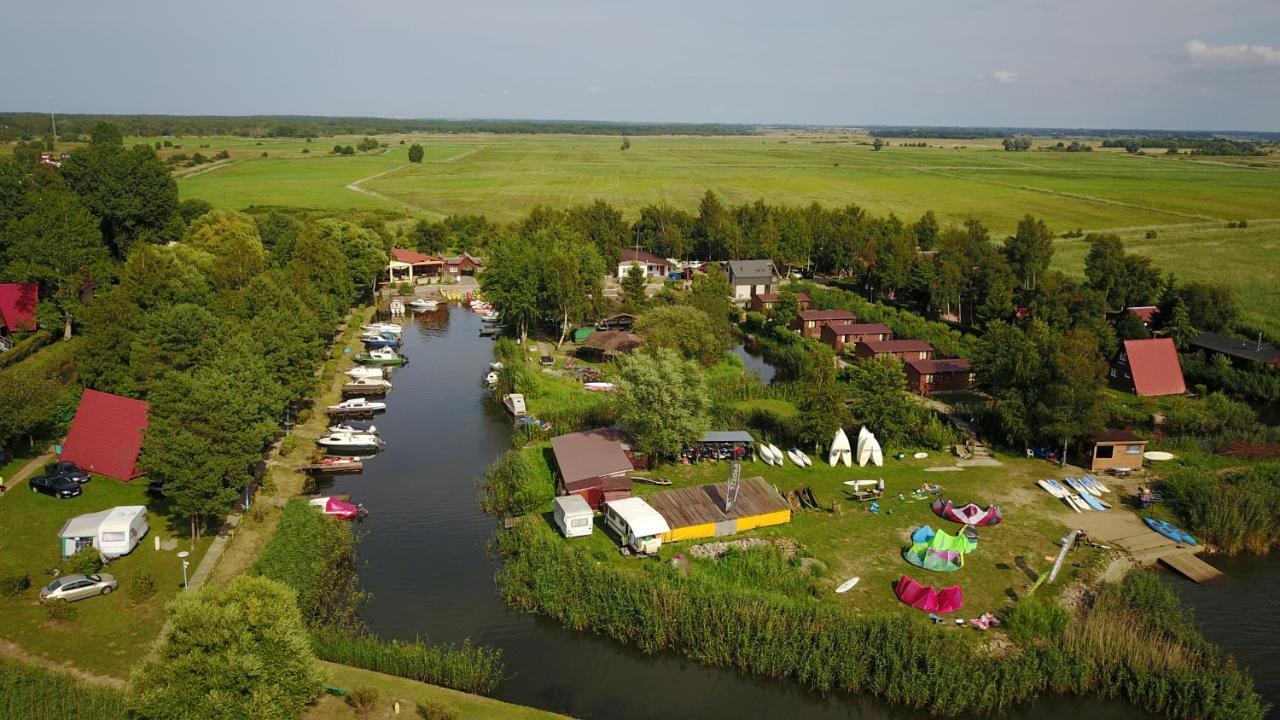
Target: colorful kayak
(1172, 532)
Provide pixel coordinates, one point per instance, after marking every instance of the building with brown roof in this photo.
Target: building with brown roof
(839, 334)
(1243, 353)
(1148, 368)
(407, 265)
(929, 376)
(594, 465)
(764, 302)
(810, 322)
(1114, 450)
(652, 265)
(904, 350)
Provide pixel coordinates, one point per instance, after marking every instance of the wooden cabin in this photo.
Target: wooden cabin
(1114, 450)
(764, 302)
(838, 335)
(1148, 368)
(699, 512)
(810, 322)
(594, 465)
(929, 376)
(904, 350)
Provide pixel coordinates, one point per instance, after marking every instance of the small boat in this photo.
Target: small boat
(381, 356)
(490, 316)
(367, 386)
(1170, 531)
(396, 307)
(335, 464)
(341, 509)
(496, 365)
(514, 403)
(350, 442)
(650, 481)
(762, 449)
(778, 456)
(491, 379)
(354, 426)
(804, 458)
(383, 327)
(796, 458)
(848, 585)
(424, 304)
(380, 340)
(489, 331)
(364, 371)
(599, 386)
(840, 450)
(358, 404)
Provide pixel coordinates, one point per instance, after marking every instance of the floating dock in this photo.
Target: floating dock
(1191, 567)
(334, 468)
(698, 512)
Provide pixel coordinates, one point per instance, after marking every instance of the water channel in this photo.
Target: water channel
(423, 558)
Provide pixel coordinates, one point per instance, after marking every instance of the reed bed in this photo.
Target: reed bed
(1236, 512)
(29, 693)
(465, 668)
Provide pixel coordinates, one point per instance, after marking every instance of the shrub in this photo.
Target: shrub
(142, 587)
(936, 435)
(514, 485)
(61, 611)
(363, 699)
(1033, 618)
(1152, 235)
(288, 445)
(315, 555)
(16, 584)
(88, 561)
(405, 288)
(437, 710)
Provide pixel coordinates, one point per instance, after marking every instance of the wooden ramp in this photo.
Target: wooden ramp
(1191, 566)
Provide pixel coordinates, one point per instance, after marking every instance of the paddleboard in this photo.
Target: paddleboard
(1076, 502)
(1093, 502)
(1158, 455)
(1098, 483)
(847, 585)
(1044, 485)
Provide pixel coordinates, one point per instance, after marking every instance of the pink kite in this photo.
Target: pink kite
(924, 598)
(968, 514)
(338, 508)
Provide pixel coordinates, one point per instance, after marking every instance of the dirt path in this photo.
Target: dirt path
(13, 652)
(26, 471)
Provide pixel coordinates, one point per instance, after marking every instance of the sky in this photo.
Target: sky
(1169, 64)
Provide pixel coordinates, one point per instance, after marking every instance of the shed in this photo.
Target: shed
(80, 532)
(1115, 450)
(698, 512)
(18, 306)
(593, 464)
(573, 515)
(1148, 368)
(929, 376)
(106, 435)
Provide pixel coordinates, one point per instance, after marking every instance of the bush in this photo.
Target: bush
(16, 584)
(1152, 235)
(514, 485)
(936, 435)
(142, 587)
(61, 611)
(288, 445)
(87, 562)
(405, 288)
(437, 710)
(315, 555)
(1033, 618)
(363, 699)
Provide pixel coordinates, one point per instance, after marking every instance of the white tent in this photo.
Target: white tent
(114, 532)
(81, 532)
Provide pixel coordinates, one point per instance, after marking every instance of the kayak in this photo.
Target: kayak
(1172, 532)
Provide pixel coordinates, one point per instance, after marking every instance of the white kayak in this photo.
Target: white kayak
(796, 457)
(777, 455)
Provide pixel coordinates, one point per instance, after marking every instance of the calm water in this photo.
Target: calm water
(754, 363)
(423, 558)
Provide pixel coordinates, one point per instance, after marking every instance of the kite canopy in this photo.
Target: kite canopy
(938, 551)
(924, 598)
(967, 514)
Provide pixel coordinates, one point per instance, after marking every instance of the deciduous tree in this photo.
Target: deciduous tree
(662, 400)
(682, 328)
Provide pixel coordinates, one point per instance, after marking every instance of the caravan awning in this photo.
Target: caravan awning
(83, 525)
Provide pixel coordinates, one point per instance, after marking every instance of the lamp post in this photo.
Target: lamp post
(184, 555)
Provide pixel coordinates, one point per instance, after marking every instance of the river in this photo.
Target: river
(423, 558)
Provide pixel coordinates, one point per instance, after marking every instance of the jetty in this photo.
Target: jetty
(1147, 547)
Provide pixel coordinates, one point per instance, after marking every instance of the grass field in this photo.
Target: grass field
(110, 634)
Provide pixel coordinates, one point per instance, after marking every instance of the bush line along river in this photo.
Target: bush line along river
(423, 556)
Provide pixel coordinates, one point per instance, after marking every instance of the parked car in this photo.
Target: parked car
(78, 587)
(68, 470)
(57, 485)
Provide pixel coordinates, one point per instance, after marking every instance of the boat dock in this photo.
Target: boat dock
(1147, 547)
(1191, 567)
(354, 389)
(348, 413)
(334, 468)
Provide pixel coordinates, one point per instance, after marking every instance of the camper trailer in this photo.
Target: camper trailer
(573, 516)
(639, 526)
(113, 532)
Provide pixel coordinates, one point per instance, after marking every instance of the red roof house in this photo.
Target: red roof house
(106, 435)
(840, 334)
(407, 264)
(811, 322)
(929, 376)
(18, 306)
(1149, 368)
(904, 350)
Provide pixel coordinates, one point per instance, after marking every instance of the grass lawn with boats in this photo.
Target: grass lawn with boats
(109, 634)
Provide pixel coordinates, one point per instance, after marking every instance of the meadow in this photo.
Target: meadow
(1186, 200)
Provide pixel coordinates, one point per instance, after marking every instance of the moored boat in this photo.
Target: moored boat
(358, 404)
(339, 508)
(350, 442)
(424, 304)
(381, 356)
(383, 327)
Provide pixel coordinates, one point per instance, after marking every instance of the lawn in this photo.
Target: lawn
(112, 633)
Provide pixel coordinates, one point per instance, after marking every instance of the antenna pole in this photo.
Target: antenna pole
(53, 120)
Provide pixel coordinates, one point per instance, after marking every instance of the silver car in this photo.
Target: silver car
(78, 587)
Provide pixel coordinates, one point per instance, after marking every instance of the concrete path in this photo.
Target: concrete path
(213, 554)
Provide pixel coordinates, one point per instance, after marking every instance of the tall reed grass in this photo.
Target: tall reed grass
(29, 693)
(1236, 512)
(466, 668)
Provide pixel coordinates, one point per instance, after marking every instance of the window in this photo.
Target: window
(112, 537)
(1104, 451)
(1133, 450)
(1113, 372)
(578, 522)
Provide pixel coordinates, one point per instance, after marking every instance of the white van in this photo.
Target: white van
(573, 516)
(638, 525)
(121, 530)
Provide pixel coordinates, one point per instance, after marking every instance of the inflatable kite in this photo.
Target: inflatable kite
(924, 598)
(968, 514)
(938, 551)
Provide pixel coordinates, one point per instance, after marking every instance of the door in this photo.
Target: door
(78, 590)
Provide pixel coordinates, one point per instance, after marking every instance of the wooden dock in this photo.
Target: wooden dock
(694, 512)
(1191, 567)
(353, 414)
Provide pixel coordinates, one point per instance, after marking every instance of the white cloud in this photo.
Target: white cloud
(1005, 77)
(1202, 53)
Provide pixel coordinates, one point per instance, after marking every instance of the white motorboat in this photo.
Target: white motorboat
(496, 365)
(840, 450)
(514, 403)
(379, 327)
(359, 404)
(369, 382)
(350, 442)
(354, 426)
(364, 371)
(491, 379)
(424, 304)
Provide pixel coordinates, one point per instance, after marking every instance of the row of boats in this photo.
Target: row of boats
(348, 437)
(868, 449)
(1081, 494)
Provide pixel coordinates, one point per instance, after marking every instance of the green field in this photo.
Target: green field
(1186, 200)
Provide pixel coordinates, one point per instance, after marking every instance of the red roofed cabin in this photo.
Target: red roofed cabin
(594, 465)
(1146, 313)
(18, 307)
(810, 322)
(1148, 368)
(106, 435)
(925, 377)
(904, 350)
(464, 264)
(764, 302)
(837, 335)
(410, 266)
